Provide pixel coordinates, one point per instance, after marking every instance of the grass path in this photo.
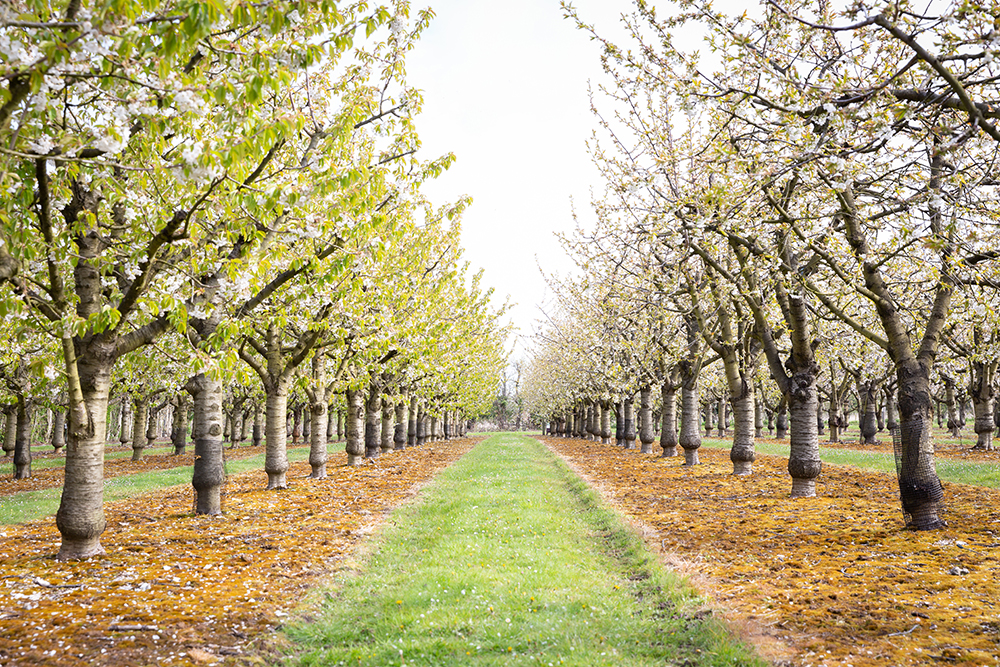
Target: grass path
(509, 559)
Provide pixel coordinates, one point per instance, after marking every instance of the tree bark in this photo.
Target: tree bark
(207, 433)
(276, 435)
(140, 416)
(318, 454)
(982, 392)
(668, 415)
(620, 423)
(721, 410)
(605, 415)
(690, 436)
(373, 421)
(399, 433)
(388, 422)
(127, 418)
(646, 434)
(178, 429)
(22, 443)
(355, 427)
(10, 430)
(781, 431)
(258, 424)
(629, 422)
(58, 431)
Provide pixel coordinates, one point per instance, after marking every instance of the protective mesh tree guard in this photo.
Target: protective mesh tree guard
(918, 483)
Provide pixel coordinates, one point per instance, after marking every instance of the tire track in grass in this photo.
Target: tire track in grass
(509, 559)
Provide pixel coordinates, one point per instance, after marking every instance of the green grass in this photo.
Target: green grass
(949, 470)
(509, 559)
(30, 505)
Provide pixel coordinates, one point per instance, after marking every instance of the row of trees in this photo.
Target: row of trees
(201, 196)
(811, 191)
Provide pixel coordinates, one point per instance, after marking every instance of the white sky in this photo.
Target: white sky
(505, 89)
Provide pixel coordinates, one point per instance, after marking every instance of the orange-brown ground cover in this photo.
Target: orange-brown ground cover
(179, 589)
(44, 478)
(832, 580)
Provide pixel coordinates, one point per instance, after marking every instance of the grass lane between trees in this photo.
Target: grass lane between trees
(510, 559)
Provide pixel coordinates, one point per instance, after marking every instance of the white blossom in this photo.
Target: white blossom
(42, 145)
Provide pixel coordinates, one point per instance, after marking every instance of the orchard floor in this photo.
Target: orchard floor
(831, 580)
(179, 589)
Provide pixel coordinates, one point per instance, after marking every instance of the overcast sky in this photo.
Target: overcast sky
(505, 89)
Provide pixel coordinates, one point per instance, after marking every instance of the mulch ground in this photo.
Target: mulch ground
(178, 589)
(831, 580)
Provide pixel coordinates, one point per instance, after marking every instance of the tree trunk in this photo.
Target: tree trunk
(804, 464)
(318, 454)
(10, 430)
(411, 426)
(22, 443)
(296, 424)
(708, 418)
(620, 423)
(276, 435)
(742, 454)
(721, 410)
(139, 418)
(432, 433)
(867, 391)
(646, 435)
(629, 422)
(834, 415)
(690, 437)
(820, 422)
(758, 417)
(80, 518)
(421, 425)
(355, 431)
(399, 434)
(949, 398)
(388, 422)
(127, 417)
(58, 431)
(373, 421)
(178, 429)
(668, 415)
(258, 424)
(207, 433)
(920, 489)
(782, 420)
(605, 412)
(982, 393)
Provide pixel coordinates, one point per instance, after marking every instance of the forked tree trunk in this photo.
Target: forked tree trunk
(207, 433)
(355, 430)
(668, 415)
(387, 426)
(399, 434)
(276, 435)
(139, 419)
(22, 442)
(646, 434)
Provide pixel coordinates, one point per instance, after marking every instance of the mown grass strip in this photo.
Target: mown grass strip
(509, 559)
(949, 470)
(31, 505)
